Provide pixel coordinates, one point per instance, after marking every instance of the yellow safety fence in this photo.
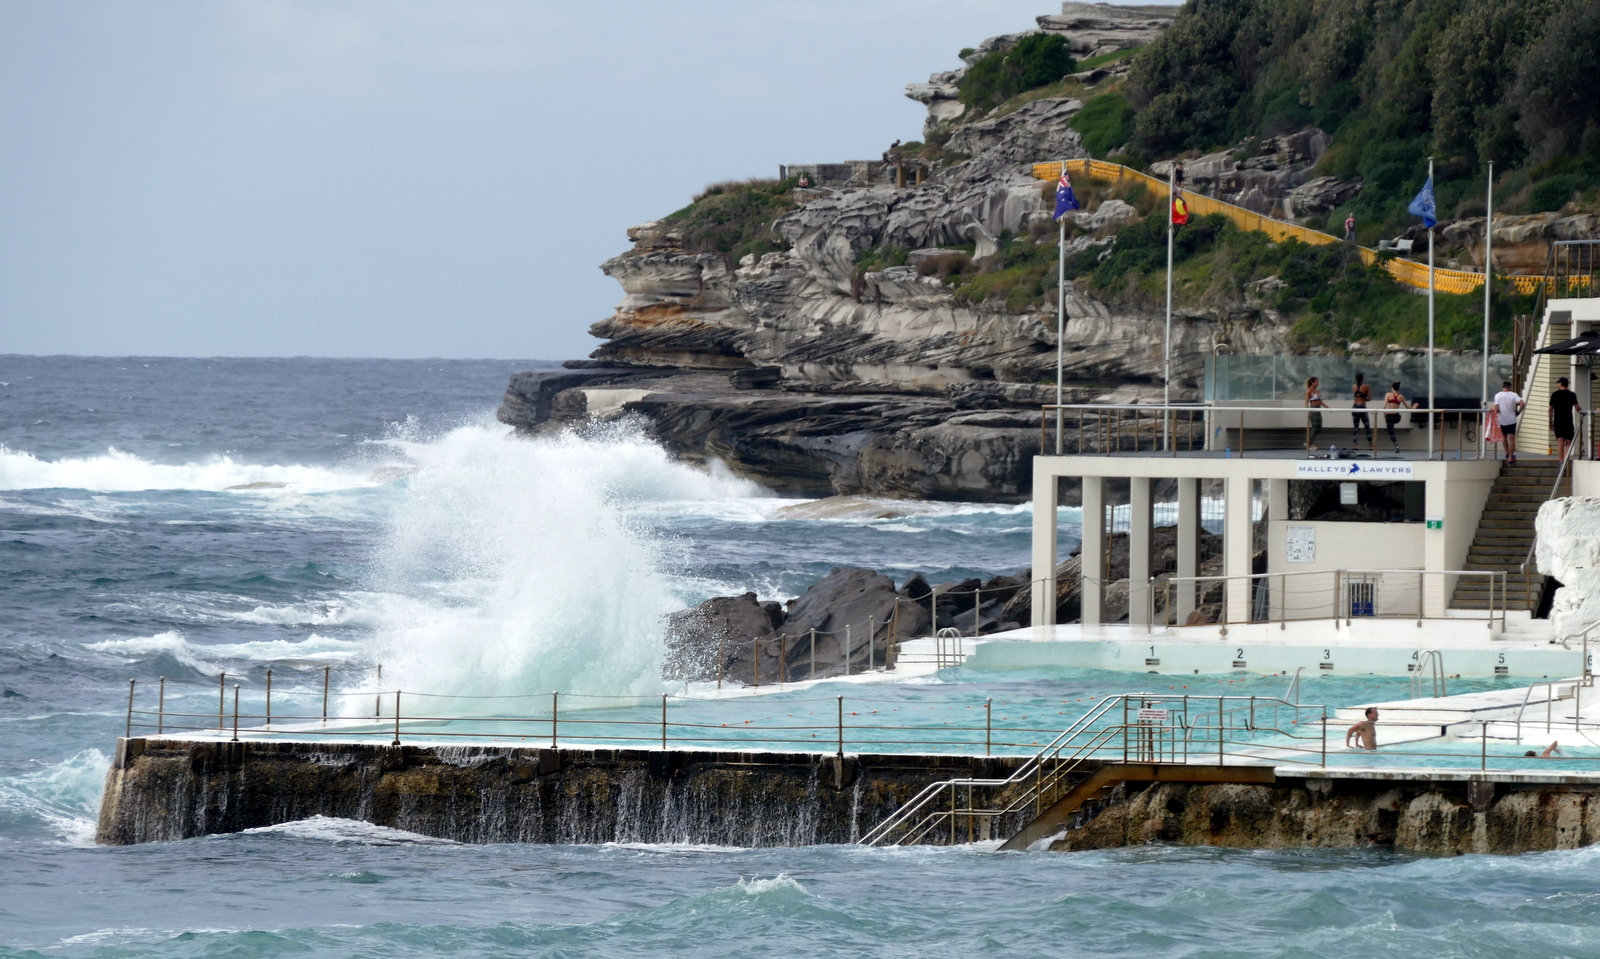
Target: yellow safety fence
(1408, 272)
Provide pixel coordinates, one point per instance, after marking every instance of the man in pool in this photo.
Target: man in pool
(1365, 733)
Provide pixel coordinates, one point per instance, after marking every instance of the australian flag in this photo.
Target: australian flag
(1423, 206)
(1064, 199)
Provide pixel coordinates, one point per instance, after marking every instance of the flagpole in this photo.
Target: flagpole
(1430, 322)
(1488, 275)
(1061, 314)
(1166, 375)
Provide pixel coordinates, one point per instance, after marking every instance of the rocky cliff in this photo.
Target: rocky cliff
(816, 369)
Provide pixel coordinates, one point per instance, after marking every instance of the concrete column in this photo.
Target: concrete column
(1236, 546)
(1277, 496)
(1094, 549)
(1188, 546)
(1139, 520)
(1045, 501)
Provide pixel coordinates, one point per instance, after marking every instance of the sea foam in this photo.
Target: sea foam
(526, 567)
(118, 471)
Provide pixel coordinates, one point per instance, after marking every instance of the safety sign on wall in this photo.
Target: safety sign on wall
(1302, 544)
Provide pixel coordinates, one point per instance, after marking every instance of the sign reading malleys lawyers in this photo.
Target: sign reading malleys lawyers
(1351, 470)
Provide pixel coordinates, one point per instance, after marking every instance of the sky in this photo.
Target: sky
(407, 178)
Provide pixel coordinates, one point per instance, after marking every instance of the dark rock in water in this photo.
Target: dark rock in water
(917, 589)
(856, 613)
(724, 626)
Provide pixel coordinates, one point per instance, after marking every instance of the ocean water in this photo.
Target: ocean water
(180, 518)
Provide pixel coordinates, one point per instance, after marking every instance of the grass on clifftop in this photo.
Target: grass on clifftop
(735, 218)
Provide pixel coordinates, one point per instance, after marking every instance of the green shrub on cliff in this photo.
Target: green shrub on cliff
(1106, 122)
(735, 218)
(1034, 61)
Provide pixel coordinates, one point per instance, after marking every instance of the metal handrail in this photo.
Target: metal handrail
(1428, 659)
(1143, 748)
(1341, 606)
(1168, 416)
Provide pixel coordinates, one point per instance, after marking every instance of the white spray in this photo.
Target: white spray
(521, 569)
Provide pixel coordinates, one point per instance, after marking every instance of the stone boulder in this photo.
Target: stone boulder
(730, 628)
(857, 616)
(1568, 549)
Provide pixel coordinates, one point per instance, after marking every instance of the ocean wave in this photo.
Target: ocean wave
(525, 565)
(117, 471)
(329, 829)
(65, 797)
(203, 658)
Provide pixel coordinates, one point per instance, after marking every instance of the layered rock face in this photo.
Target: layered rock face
(806, 372)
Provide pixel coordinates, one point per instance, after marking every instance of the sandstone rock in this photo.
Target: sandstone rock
(1521, 243)
(1568, 548)
(1038, 130)
(1095, 28)
(1262, 179)
(1321, 196)
(1108, 215)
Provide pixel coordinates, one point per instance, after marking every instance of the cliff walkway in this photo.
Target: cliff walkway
(1408, 272)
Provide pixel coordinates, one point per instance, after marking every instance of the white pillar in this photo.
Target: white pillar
(1188, 546)
(1139, 520)
(1045, 500)
(1094, 549)
(1277, 494)
(1236, 546)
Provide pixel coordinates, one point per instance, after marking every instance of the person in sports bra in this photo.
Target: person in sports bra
(1314, 401)
(1393, 400)
(1360, 395)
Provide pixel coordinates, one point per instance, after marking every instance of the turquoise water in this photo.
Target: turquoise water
(515, 568)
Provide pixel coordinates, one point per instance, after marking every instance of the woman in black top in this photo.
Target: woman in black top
(1562, 404)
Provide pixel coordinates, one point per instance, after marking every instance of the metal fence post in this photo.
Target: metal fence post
(1222, 721)
(235, 712)
(1324, 737)
(841, 727)
(269, 695)
(977, 610)
(988, 725)
(127, 729)
(663, 720)
(161, 705)
(222, 701)
(1483, 738)
(396, 718)
(555, 715)
(327, 673)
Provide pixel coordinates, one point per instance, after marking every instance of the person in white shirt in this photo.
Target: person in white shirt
(1507, 406)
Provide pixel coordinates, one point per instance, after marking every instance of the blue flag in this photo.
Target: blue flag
(1425, 207)
(1064, 199)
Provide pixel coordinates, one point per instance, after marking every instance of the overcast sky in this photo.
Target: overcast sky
(402, 178)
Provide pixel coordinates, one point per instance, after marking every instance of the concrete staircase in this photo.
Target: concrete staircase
(1505, 532)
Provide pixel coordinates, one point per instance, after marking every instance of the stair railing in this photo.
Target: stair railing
(1152, 728)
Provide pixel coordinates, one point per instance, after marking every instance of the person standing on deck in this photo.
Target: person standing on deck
(1360, 395)
(1315, 403)
(1394, 400)
(1508, 406)
(1563, 403)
